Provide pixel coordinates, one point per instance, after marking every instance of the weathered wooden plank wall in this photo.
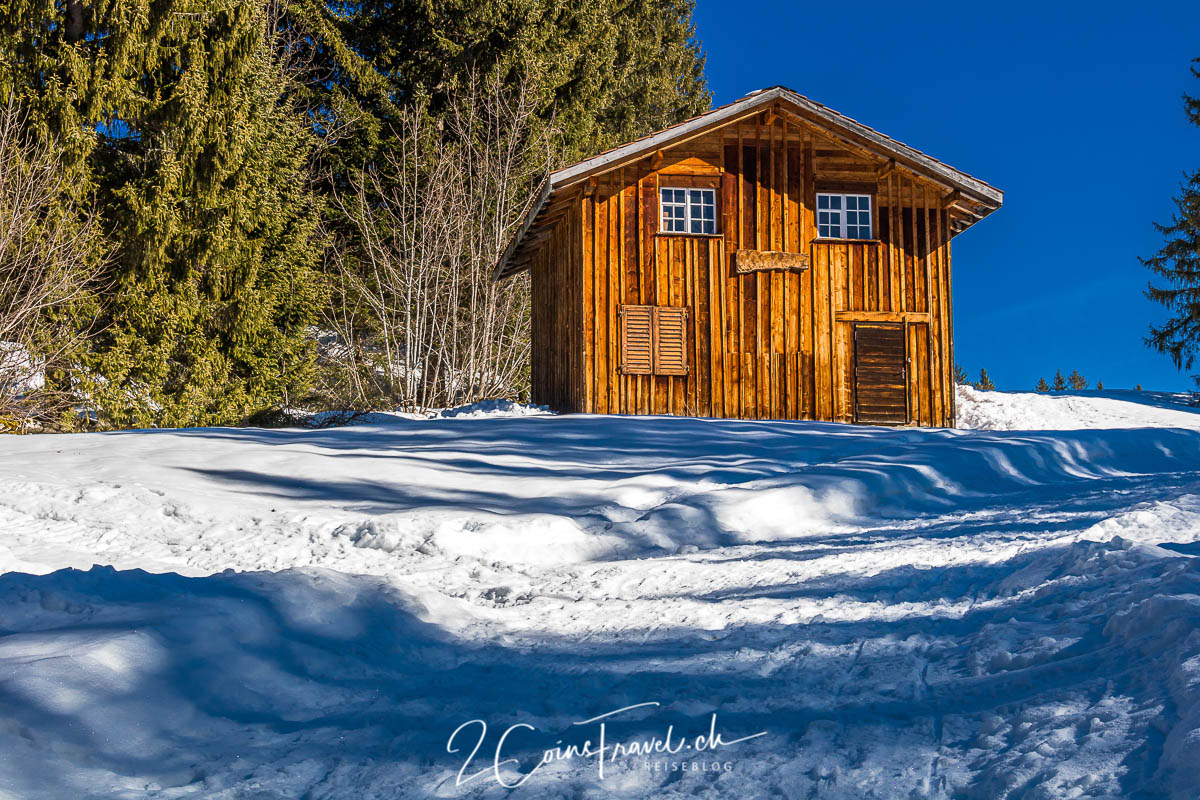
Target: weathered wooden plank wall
(556, 288)
(765, 344)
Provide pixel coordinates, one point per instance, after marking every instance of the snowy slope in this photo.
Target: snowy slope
(901, 613)
(1120, 408)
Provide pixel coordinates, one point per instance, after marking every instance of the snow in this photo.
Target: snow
(1128, 408)
(492, 408)
(20, 372)
(1007, 611)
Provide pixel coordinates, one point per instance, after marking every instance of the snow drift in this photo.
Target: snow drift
(1120, 408)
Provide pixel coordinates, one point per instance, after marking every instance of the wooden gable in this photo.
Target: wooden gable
(850, 151)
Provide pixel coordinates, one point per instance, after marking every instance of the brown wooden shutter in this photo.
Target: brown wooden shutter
(670, 340)
(637, 339)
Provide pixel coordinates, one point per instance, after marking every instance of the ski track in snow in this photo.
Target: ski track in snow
(1007, 612)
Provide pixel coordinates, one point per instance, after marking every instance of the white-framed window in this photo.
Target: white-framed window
(843, 216)
(688, 210)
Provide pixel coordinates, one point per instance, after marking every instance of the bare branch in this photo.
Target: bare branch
(432, 220)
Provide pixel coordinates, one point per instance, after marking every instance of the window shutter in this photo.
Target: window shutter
(670, 338)
(637, 344)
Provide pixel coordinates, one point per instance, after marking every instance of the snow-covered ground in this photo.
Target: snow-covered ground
(1120, 408)
(1012, 611)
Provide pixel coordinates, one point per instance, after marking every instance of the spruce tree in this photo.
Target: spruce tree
(600, 73)
(72, 65)
(174, 110)
(1177, 264)
(1099, 386)
(985, 382)
(960, 375)
(1060, 383)
(603, 73)
(1042, 386)
(1077, 381)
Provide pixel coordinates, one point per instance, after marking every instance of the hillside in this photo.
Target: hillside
(1012, 610)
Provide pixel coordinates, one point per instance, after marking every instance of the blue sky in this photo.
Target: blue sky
(1074, 110)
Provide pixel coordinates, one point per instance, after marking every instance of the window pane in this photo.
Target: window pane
(835, 201)
(673, 210)
(822, 201)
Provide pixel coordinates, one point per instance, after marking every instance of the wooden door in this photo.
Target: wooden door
(880, 373)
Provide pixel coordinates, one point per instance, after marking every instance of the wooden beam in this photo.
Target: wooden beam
(881, 316)
(759, 260)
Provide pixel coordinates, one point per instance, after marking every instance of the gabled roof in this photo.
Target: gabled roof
(976, 198)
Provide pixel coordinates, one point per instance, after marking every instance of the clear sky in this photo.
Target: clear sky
(1074, 110)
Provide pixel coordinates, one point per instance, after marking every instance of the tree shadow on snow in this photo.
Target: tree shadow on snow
(611, 474)
(233, 680)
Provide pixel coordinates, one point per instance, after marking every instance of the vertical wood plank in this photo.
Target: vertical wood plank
(931, 280)
(614, 276)
(599, 330)
(948, 321)
(808, 303)
(588, 303)
(729, 203)
(901, 252)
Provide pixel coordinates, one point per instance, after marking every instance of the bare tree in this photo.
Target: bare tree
(48, 262)
(419, 322)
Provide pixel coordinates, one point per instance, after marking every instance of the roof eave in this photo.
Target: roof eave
(531, 214)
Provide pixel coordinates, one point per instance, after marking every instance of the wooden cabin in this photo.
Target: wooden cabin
(771, 259)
